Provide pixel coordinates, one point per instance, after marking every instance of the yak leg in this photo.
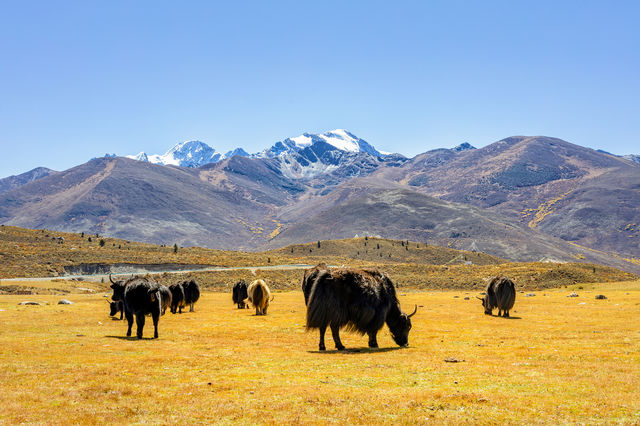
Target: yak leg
(335, 331)
(121, 314)
(191, 308)
(506, 314)
(140, 324)
(257, 311)
(373, 341)
(156, 317)
(321, 345)
(499, 312)
(264, 310)
(129, 316)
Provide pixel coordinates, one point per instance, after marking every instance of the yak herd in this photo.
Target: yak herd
(359, 300)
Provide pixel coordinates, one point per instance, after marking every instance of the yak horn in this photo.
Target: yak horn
(272, 297)
(413, 313)
(111, 279)
(479, 298)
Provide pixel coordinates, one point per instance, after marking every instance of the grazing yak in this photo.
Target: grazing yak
(501, 294)
(191, 293)
(116, 307)
(360, 300)
(240, 294)
(258, 294)
(141, 296)
(177, 298)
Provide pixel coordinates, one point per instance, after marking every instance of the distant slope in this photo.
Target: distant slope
(581, 195)
(12, 182)
(125, 198)
(371, 207)
(381, 250)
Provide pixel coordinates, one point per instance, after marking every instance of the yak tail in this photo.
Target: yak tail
(324, 307)
(273, 296)
(257, 296)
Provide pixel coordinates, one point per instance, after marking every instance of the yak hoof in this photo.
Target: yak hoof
(374, 346)
(322, 348)
(340, 348)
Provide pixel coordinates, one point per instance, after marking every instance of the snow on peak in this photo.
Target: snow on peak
(339, 139)
(191, 153)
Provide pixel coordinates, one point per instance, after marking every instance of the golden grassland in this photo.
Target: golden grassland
(557, 360)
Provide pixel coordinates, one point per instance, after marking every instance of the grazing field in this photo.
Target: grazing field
(557, 360)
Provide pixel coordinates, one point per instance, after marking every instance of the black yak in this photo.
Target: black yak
(191, 293)
(115, 307)
(141, 296)
(501, 294)
(258, 295)
(165, 295)
(360, 300)
(239, 294)
(177, 298)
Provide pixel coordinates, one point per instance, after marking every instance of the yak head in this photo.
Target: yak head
(118, 289)
(486, 304)
(400, 328)
(114, 308)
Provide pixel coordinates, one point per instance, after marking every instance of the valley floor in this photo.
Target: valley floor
(557, 360)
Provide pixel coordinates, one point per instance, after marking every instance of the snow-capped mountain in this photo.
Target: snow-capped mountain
(187, 154)
(339, 139)
(304, 156)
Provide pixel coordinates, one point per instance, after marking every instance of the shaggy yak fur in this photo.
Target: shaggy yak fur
(360, 300)
(165, 295)
(116, 307)
(259, 295)
(141, 296)
(177, 298)
(501, 294)
(191, 293)
(240, 294)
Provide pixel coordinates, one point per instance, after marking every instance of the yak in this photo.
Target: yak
(177, 298)
(116, 307)
(501, 294)
(240, 294)
(141, 296)
(165, 295)
(191, 293)
(258, 294)
(360, 300)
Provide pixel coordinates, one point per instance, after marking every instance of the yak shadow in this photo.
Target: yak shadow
(507, 318)
(130, 338)
(363, 350)
(117, 319)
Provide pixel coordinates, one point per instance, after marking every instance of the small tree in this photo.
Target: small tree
(318, 243)
(175, 247)
(82, 235)
(89, 239)
(102, 242)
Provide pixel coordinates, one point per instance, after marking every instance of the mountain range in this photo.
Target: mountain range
(521, 198)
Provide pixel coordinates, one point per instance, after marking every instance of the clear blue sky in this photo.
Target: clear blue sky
(80, 79)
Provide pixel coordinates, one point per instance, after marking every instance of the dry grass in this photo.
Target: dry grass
(558, 360)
